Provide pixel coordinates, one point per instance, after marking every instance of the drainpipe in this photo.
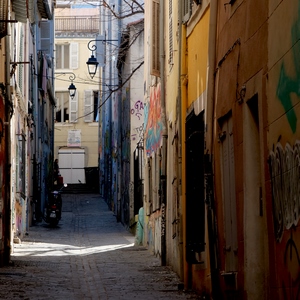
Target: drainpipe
(164, 136)
(180, 120)
(182, 154)
(8, 107)
(209, 120)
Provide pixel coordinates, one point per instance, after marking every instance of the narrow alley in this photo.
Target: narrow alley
(89, 255)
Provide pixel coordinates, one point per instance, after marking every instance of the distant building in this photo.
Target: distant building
(76, 119)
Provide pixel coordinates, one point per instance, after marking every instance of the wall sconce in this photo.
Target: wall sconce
(72, 87)
(240, 95)
(92, 62)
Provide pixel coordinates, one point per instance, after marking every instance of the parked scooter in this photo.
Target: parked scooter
(53, 207)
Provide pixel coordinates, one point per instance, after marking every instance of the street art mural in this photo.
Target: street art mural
(287, 84)
(284, 166)
(153, 121)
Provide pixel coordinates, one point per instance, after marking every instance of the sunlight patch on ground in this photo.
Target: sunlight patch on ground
(46, 249)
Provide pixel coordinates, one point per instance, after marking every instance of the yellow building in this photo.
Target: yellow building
(76, 119)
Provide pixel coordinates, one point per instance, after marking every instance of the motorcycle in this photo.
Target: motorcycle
(53, 207)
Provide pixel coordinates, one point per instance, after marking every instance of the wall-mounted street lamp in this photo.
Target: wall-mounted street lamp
(92, 62)
(72, 87)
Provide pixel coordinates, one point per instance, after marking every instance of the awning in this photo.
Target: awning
(20, 9)
(45, 8)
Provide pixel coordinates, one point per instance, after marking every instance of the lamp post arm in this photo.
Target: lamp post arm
(71, 77)
(94, 47)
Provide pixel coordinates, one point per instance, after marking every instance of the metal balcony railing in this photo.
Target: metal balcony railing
(87, 24)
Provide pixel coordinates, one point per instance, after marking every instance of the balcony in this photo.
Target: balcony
(76, 24)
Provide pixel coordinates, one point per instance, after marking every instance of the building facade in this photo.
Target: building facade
(237, 152)
(27, 106)
(76, 119)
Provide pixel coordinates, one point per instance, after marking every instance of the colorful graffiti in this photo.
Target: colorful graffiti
(285, 179)
(288, 85)
(138, 109)
(153, 122)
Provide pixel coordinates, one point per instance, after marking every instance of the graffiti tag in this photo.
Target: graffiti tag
(285, 179)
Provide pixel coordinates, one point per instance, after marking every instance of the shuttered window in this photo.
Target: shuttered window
(62, 107)
(186, 9)
(170, 33)
(91, 106)
(88, 105)
(74, 108)
(62, 56)
(45, 37)
(66, 56)
(155, 63)
(74, 55)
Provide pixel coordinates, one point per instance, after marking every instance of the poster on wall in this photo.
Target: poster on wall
(74, 138)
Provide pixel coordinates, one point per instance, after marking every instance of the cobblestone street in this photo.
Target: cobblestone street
(88, 256)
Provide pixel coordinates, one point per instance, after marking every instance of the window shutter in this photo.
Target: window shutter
(186, 10)
(170, 33)
(74, 55)
(155, 63)
(73, 115)
(88, 106)
(3, 16)
(45, 37)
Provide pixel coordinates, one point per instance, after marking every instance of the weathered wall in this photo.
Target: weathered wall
(284, 148)
(240, 154)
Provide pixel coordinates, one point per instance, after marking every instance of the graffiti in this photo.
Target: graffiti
(287, 85)
(292, 264)
(285, 180)
(138, 133)
(138, 107)
(153, 121)
(163, 220)
(157, 246)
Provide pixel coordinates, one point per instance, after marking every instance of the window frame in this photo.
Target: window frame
(154, 38)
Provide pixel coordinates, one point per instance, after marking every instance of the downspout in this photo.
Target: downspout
(180, 120)
(164, 135)
(8, 111)
(183, 105)
(209, 121)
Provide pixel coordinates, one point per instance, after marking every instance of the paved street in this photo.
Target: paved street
(88, 256)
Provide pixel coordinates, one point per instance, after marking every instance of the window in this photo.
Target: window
(62, 56)
(45, 27)
(62, 107)
(66, 56)
(155, 64)
(186, 9)
(66, 108)
(91, 106)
